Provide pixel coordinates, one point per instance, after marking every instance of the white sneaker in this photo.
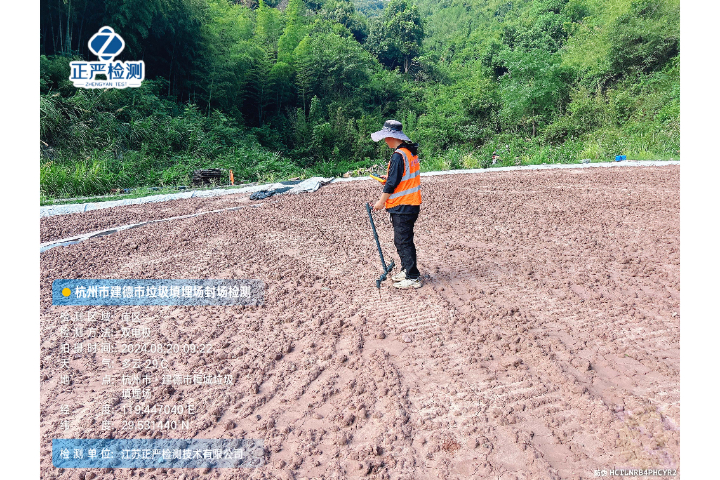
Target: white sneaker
(409, 283)
(398, 276)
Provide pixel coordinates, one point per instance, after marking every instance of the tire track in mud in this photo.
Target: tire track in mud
(565, 363)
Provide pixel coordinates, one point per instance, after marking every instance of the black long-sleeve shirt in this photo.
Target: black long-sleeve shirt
(397, 165)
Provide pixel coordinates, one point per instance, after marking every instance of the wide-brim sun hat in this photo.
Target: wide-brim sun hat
(391, 128)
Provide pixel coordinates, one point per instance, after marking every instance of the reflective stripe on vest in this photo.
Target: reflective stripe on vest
(405, 192)
(408, 190)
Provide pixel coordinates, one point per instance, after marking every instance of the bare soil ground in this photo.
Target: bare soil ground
(544, 343)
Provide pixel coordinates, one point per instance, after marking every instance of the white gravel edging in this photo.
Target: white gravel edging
(52, 210)
(314, 183)
(309, 185)
(554, 166)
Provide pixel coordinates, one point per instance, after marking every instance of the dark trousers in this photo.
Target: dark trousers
(403, 224)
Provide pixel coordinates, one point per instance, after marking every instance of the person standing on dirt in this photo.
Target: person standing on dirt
(401, 197)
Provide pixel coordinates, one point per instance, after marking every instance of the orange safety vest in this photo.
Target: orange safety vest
(408, 190)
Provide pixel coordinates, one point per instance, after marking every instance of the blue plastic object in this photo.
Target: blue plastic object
(620, 158)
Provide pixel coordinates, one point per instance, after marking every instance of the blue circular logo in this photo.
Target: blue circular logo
(106, 44)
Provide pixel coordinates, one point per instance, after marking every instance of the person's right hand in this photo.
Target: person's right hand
(384, 177)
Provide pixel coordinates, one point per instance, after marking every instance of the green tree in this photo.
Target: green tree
(534, 88)
(397, 37)
(229, 56)
(166, 34)
(295, 30)
(259, 92)
(644, 39)
(331, 66)
(343, 12)
(280, 79)
(269, 26)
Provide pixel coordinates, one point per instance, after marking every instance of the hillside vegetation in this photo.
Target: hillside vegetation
(274, 90)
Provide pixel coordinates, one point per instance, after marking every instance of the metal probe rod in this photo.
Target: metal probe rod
(377, 240)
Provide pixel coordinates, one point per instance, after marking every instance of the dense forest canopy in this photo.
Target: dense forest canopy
(274, 89)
